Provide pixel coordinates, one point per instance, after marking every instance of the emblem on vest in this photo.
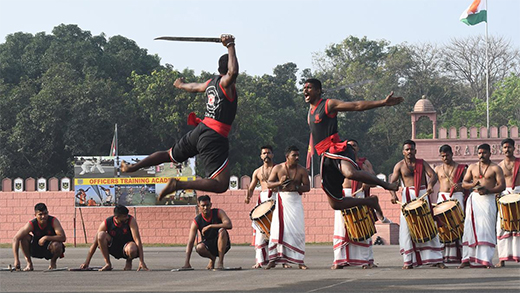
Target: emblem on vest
(317, 118)
(213, 101)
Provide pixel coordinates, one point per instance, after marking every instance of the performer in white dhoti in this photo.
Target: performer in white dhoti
(287, 241)
(450, 175)
(412, 172)
(486, 179)
(261, 175)
(508, 242)
(346, 251)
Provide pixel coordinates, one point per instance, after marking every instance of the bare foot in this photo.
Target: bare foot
(463, 265)
(440, 265)
(170, 187)
(52, 265)
(211, 264)
(303, 267)
(286, 266)
(257, 266)
(128, 265)
(124, 167)
(371, 266)
(501, 264)
(337, 267)
(407, 267)
(270, 265)
(29, 267)
(107, 267)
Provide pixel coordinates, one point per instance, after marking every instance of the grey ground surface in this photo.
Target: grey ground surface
(388, 277)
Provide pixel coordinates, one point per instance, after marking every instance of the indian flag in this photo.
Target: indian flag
(474, 14)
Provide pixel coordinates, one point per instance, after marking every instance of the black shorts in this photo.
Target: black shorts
(212, 245)
(330, 169)
(117, 249)
(212, 149)
(43, 251)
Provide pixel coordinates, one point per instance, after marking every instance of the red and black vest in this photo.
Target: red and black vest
(324, 127)
(119, 232)
(39, 232)
(221, 107)
(203, 222)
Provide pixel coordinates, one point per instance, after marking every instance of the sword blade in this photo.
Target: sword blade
(190, 39)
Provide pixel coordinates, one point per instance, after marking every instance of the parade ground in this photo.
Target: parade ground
(388, 277)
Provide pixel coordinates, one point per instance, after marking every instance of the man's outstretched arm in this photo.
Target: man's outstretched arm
(342, 106)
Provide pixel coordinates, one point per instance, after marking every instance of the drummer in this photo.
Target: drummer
(450, 174)
(287, 241)
(486, 179)
(413, 172)
(508, 243)
(346, 251)
(260, 175)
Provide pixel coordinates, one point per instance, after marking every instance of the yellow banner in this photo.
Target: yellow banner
(127, 181)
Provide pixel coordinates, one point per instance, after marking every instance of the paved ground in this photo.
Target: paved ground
(389, 277)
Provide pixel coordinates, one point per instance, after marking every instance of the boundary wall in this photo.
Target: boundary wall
(170, 224)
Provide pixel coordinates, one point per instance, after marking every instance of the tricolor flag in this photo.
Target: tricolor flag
(113, 147)
(475, 14)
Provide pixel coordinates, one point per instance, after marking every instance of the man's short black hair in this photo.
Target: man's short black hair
(266, 147)
(40, 207)
(507, 140)
(203, 198)
(120, 210)
(353, 140)
(445, 149)
(290, 149)
(223, 64)
(410, 142)
(484, 146)
(315, 82)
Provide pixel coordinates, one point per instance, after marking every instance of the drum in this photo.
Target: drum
(450, 220)
(359, 222)
(509, 208)
(261, 216)
(420, 220)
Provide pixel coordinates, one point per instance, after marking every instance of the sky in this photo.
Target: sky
(268, 32)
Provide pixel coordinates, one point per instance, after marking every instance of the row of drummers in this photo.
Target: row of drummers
(433, 233)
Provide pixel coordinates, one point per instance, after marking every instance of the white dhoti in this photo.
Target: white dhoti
(452, 251)
(479, 238)
(346, 251)
(508, 243)
(259, 239)
(416, 254)
(287, 242)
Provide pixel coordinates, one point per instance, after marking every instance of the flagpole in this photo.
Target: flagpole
(487, 71)
(117, 153)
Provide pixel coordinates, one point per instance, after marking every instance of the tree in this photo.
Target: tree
(465, 60)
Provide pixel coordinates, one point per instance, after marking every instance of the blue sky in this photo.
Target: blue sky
(268, 33)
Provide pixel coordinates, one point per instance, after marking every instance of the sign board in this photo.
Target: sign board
(18, 185)
(41, 185)
(97, 183)
(65, 184)
(233, 182)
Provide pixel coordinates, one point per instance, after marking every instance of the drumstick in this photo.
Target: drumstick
(357, 191)
(424, 195)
